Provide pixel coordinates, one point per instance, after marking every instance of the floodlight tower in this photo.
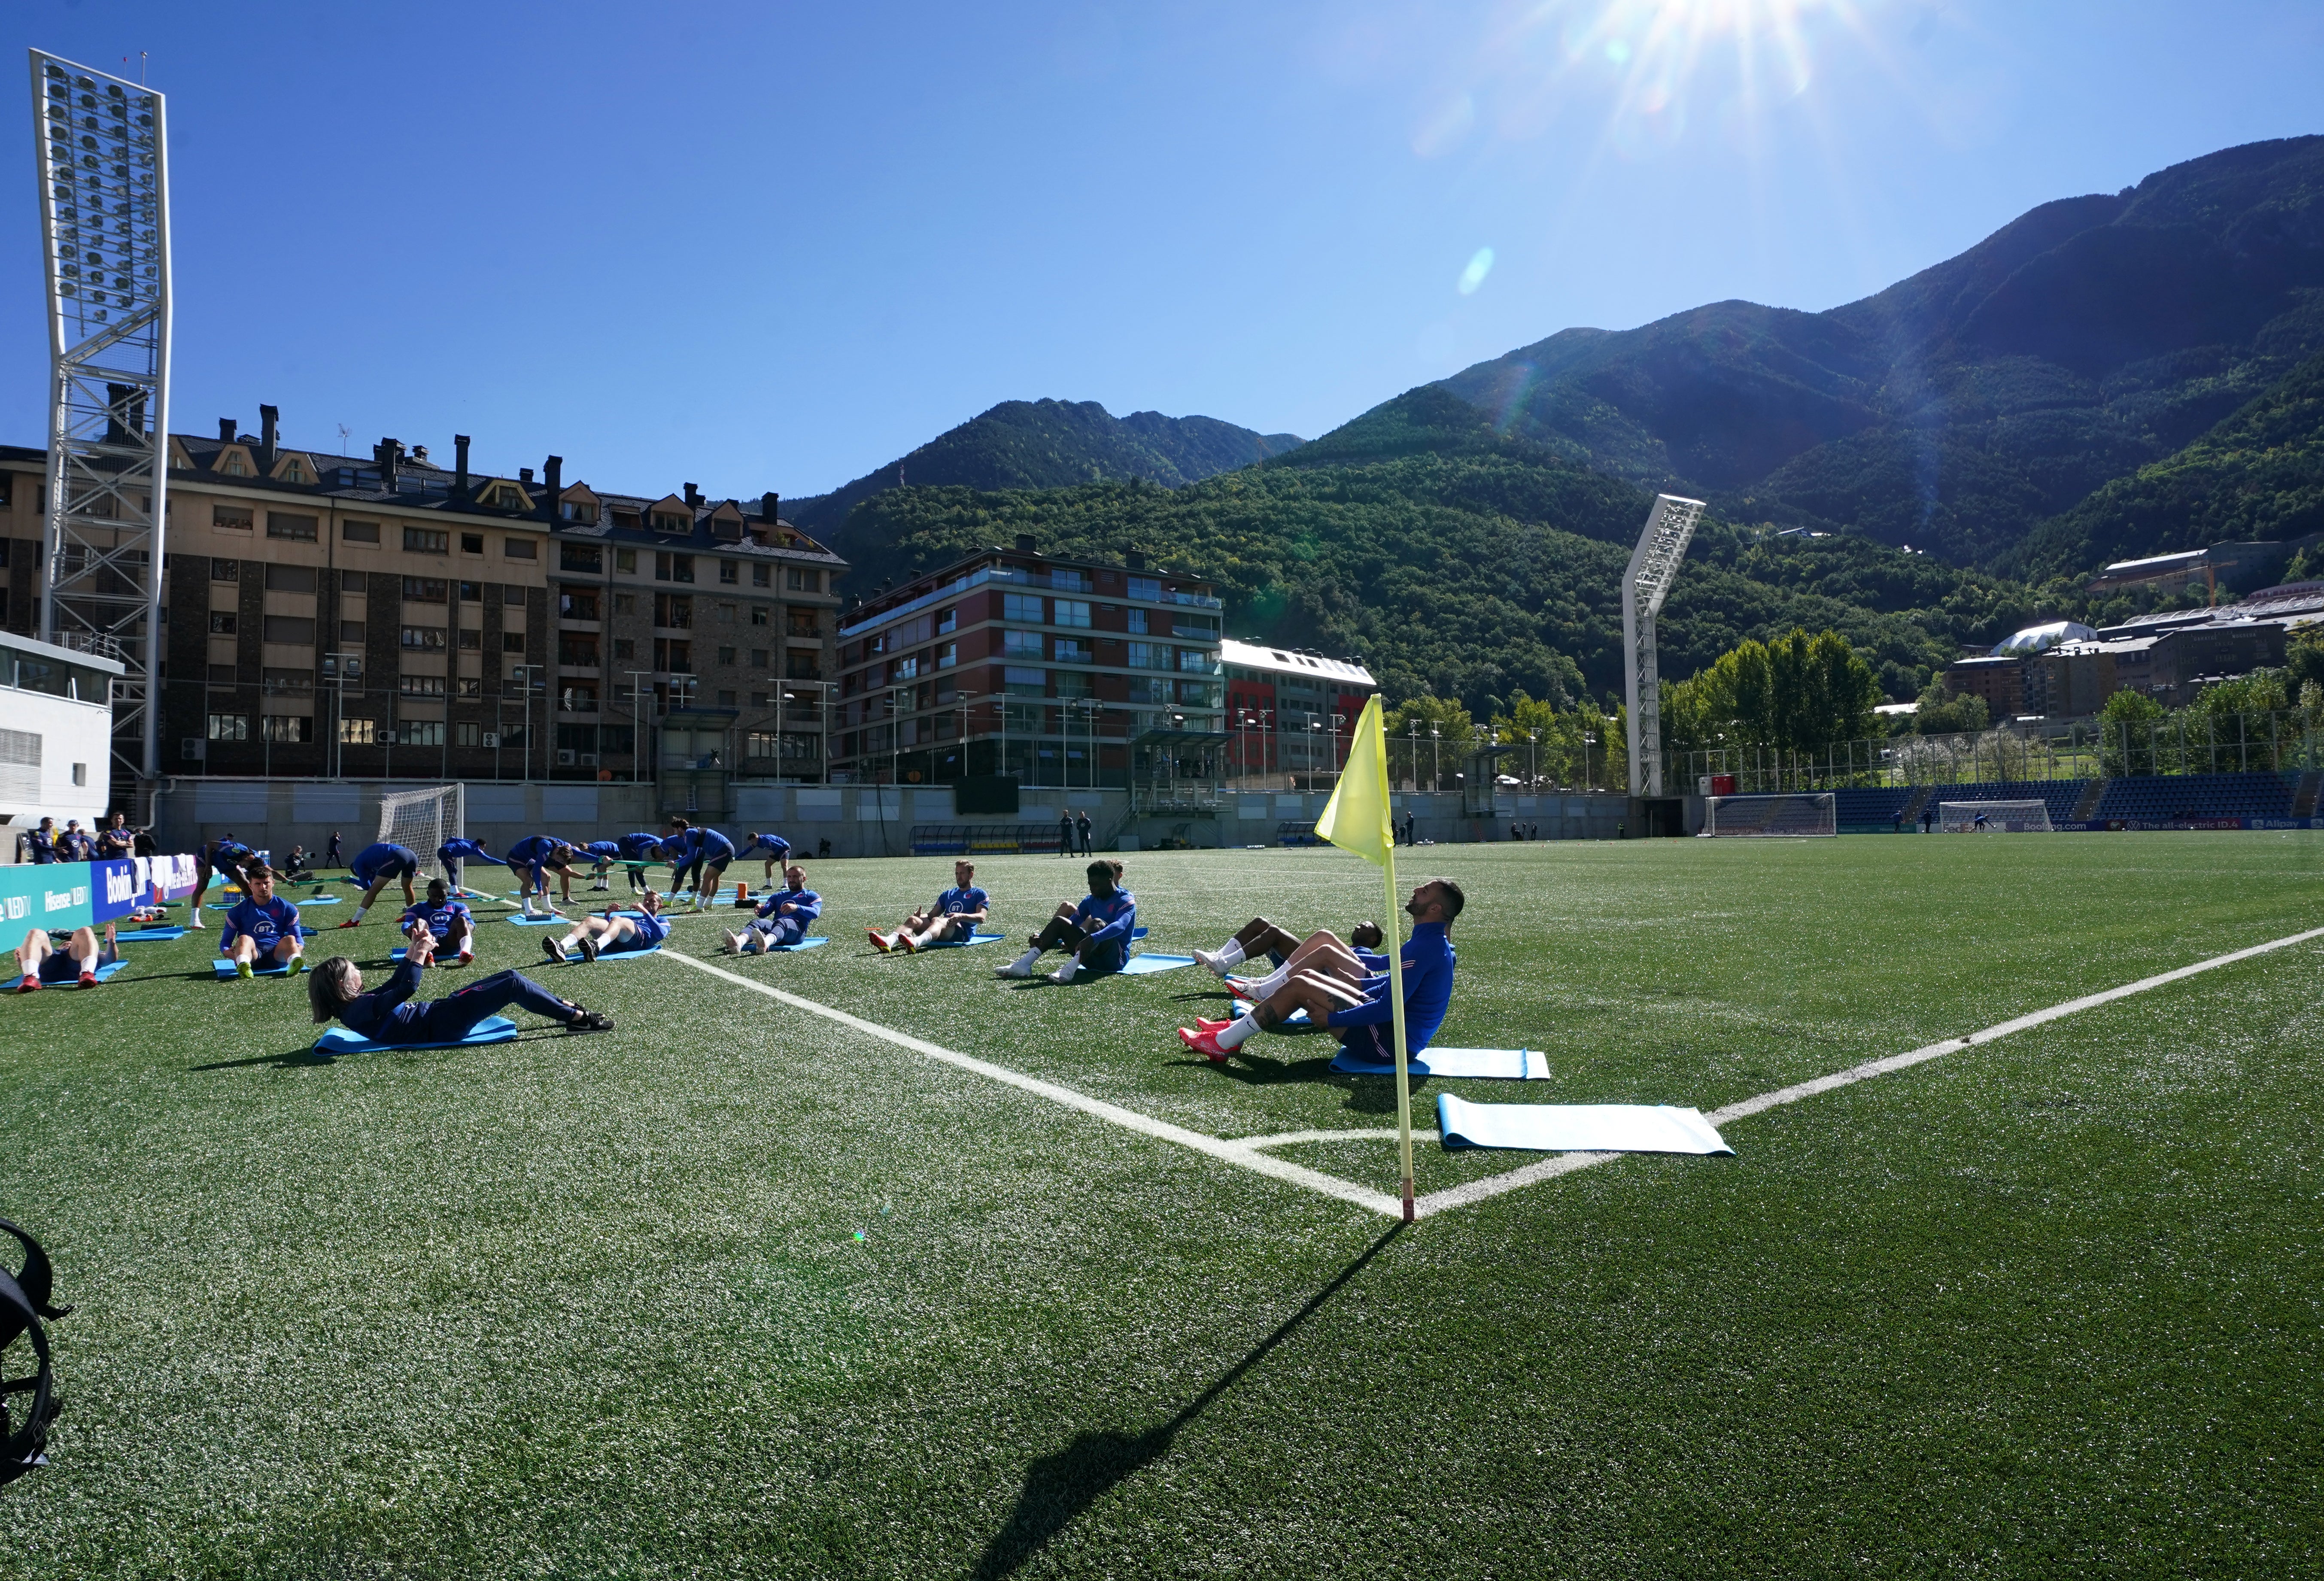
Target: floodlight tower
(1653, 566)
(105, 236)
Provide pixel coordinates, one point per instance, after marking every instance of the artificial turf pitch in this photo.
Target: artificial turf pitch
(735, 1290)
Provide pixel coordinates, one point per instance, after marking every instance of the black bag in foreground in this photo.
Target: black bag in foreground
(23, 1302)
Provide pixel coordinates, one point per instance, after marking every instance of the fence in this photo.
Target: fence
(2284, 742)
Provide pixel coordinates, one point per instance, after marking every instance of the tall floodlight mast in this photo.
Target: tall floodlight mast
(105, 233)
(1654, 565)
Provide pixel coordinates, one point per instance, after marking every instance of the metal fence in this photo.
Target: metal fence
(2284, 742)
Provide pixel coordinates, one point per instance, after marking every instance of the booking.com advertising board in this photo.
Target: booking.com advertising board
(60, 896)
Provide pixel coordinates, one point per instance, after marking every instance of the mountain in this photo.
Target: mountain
(1958, 408)
(1049, 443)
(1458, 561)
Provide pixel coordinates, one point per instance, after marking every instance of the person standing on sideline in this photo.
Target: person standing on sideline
(331, 858)
(1065, 832)
(1929, 817)
(1082, 822)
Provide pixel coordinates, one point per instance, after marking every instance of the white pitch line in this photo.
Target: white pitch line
(1241, 1155)
(1286, 1138)
(1566, 1164)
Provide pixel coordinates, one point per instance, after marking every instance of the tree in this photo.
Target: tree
(1798, 693)
(1945, 713)
(2127, 733)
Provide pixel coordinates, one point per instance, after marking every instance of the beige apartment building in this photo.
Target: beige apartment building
(397, 618)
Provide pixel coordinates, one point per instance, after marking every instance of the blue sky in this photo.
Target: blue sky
(773, 247)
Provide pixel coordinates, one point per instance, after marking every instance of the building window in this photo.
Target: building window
(517, 549)
(580, 510)
(427, 540)
(1149, 588)
(358, 733)
(759, 614)
(726, 615)
(224, 570)
(625, 603)
(673, 567)
(667, 521)
(359, 532)
(292, 628)
(422, 686)
(513, 596)
(1065, 581)
(1021, 606)
(351, 631)
(512, 642)
(801, 623)
(576, 606)
(578, 649)
(800, 580)
(273, 680)
(223, 675)
(234, 518)
(470, 593)
(229, 726)
(467, 733)
(297, 529)
(725, 655)
(947, 655)
(673, 656)
(729, 571)
(1025, 683)
(1138, 621)
(624, 647)
(471, 640)
(904, 669)
(1071, 612)
(763, 577)
(1072, 651)
(472, 543)
(947, 620)
(291, 727)
(758, 659)
(726, 699)
(674, 609)
(803, 664)
(625, 560)
(290, 579)
(1022, 644)
(425, 590)
(1193, 658)
(588, 558)
(577, 699)
(419, 732)
(221, 622)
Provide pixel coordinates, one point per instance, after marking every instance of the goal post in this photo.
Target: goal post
(1999, 817)
(423, 819)
(1799, 815)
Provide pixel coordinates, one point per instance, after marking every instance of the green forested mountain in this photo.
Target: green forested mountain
(2259, 475)
(1049, 443)
(1458, 562)
(1958, 408)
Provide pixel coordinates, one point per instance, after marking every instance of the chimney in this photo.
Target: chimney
(226, 427)
(268, 421)
(771, 506)
(693, 496)
(1025, 544)
(524, 475)
(460, 462)
(552, 474)
(1134, 559)
(387, 452)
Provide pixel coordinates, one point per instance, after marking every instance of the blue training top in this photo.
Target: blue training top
(438, 918)
(1427, 990)
(1108, 924)
(956, 900)
(374, 1015)
(805, 906)
(637, 848)
(650, 930)
(375, 862)
(773, 845)
(267, 925)
(535, 850)
(603, 850)
(709, 845)
(464, 851)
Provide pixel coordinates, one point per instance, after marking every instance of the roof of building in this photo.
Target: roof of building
(34, 647)
(1292, 661)
(2035, 638)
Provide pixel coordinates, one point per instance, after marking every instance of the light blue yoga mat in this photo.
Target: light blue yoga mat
(340, 1040)
(224, 969)
(1576, 1128)
(1147, 965)
(104, 972)
(964, 943)
(1485, 1065)
(542, 921)
(629, 954)
(810, 943)
(319, 900)
(150, 935)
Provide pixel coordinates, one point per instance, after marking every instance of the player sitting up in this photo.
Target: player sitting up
(596, 935)
(39, 963)
(782, 917)
(952, 920)
(703, 852)
(390, 1015)
(533, 860)
(1097, 931)
(446, 921)
(1360, 1011)
(774, 847)
(636, 850)
(452, 853)
(262, 924)
(225, 856)
(376, 867)
(1261, 937)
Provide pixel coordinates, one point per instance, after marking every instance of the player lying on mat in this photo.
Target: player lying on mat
(1097, 931)
(225, 856)
(594, 935)
(774, 847)
(782, 917)
(1261, 937)
(452, 853)
(376, 867)
(445, 921)
(41, 963)
(1361, 1013)
(636, 850)
(264, 926)
(390, 1015)
(702, 852)
(950, 921)
(533, 860)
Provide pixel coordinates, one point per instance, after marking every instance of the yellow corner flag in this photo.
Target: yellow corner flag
(1358, 819)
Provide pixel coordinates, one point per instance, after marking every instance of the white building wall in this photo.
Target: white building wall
(74, 737)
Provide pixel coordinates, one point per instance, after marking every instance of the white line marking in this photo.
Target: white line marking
(1286, 1138)
(1566, 1164)
(1241, 1155)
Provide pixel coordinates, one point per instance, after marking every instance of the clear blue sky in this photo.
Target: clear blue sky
(773, 247)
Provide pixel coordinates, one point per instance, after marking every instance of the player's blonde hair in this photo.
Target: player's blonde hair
(331, 988)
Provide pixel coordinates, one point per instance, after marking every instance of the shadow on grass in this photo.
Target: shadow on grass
(300, 1059)
(1059, 1487)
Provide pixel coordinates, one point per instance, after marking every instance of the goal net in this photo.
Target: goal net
(1803, 814)
(1993, 817)
(423, 819)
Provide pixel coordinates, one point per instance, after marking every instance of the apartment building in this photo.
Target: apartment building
(1057, 671)
(1289, 713)
(325, 615)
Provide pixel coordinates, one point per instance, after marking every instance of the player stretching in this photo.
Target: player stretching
(446, 921)
(533, 860)
(636, 850)
(1261, 937)
(774, 847)
(952, 920)
(40, 963)
(782, 917)
(1097, 931)
(261, 925)
(390, 1015)
(703, 852)
(453, 852)
(1362, 1013)
(377, 866)
(224, 856)
(600, 935)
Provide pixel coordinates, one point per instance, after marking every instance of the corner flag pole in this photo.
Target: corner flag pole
(1357, 819)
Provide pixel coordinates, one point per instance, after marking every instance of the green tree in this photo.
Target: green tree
(2126, 739)
(2303, 661)
(1798, 693)
(1944, 713)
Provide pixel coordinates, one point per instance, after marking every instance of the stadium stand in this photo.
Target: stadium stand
(1870, 811)
(967, 839)
(2058, 795)
(2168, 797)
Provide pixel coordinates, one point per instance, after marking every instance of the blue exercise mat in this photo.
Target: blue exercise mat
(339, 1040)
(319, 900)
(103, 973)
(157, 935)
(809, 943)
(964, 943)
(1481, 1064)
(1576, 1128)
(1147, 965)
(224, 969)
(541, 922)
(631, 953)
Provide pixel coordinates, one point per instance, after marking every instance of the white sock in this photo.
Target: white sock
(1236, 1036)
(88, 963)
(1025, 962)
(1273, 981)
(1065, 974)
(359, 914)
(1230, 952)
(197, 918)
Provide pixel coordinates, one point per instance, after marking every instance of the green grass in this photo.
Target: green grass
(597, 1306)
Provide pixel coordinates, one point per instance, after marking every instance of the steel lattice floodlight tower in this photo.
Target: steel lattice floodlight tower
(105, 233)
(1653, 566)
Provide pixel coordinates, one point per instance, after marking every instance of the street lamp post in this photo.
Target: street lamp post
(1435, 758)
(1412, 755)
(637, 723)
